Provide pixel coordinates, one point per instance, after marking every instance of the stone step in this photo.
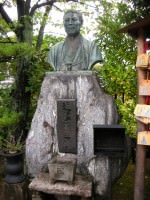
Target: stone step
(81, 186)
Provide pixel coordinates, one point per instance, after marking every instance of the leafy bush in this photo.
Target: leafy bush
(9, 142)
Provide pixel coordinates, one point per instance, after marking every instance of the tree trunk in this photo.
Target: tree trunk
(42, 27)
(21, 96)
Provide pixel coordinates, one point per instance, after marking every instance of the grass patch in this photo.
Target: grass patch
(124, 188)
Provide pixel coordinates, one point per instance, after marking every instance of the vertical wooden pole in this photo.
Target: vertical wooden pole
(140, 149)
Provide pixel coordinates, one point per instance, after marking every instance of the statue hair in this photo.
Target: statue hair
(76, 12)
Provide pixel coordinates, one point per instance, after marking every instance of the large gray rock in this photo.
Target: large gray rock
(93, 107)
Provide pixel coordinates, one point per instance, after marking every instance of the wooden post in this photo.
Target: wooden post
(140, 149)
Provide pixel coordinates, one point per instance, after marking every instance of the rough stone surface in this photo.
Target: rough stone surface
(93, 107)
(80, 187)
(62, 169)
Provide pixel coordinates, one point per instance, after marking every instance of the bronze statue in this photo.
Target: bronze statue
(75, 53)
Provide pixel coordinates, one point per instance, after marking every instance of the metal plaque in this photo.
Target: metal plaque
(66, 125)
(109, 138)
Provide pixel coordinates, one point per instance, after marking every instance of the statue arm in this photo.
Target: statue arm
(51, 57)
(96, 55)
(55, 56)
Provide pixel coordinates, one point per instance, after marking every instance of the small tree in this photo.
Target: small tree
(118, 74)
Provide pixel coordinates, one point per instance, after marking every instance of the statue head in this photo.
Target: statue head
(72, 22)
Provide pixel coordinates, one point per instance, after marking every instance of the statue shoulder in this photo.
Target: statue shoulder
(88, 44)
(54, 53)
(93, 52)
(57, 46)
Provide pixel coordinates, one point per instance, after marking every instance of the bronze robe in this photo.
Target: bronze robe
(87, 54)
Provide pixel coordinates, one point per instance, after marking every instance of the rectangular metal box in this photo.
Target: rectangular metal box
(109, 138)
(66, 125)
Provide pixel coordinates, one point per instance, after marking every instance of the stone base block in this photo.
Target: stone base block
(80, 187)
(62, 169)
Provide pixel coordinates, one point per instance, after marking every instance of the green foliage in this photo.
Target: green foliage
(36, 72)
(117, 74)
(4, 27)
(11, 145)
(9, 119)
(5, 102)
(8, 122)
(126, 110)
(124, 188)
(15, 49)
(39, 67)
(141, 7)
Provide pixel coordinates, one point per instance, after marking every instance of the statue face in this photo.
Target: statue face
(72, 24)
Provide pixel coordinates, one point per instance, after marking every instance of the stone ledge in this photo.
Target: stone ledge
(80, 187)
(70, 73)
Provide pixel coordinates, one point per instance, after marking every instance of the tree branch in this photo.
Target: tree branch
(27, 6)
(20, 8)
(58, 8)
(42, 27)
(36, 6)
(5, 15)
(50, 3)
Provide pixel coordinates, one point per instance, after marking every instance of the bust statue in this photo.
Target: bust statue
(75, 52)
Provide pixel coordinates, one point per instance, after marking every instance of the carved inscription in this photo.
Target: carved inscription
(60, 171)
(66, 125)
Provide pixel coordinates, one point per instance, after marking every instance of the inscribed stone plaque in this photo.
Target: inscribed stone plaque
(66, 125)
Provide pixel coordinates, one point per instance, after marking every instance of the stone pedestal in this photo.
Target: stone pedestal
(93, 106)
(80, 187)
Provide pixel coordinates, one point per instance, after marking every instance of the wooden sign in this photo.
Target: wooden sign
(142, 110)
(143, 60)
(142, 113)
(144, 88)
(143, 138)
(144, 120)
